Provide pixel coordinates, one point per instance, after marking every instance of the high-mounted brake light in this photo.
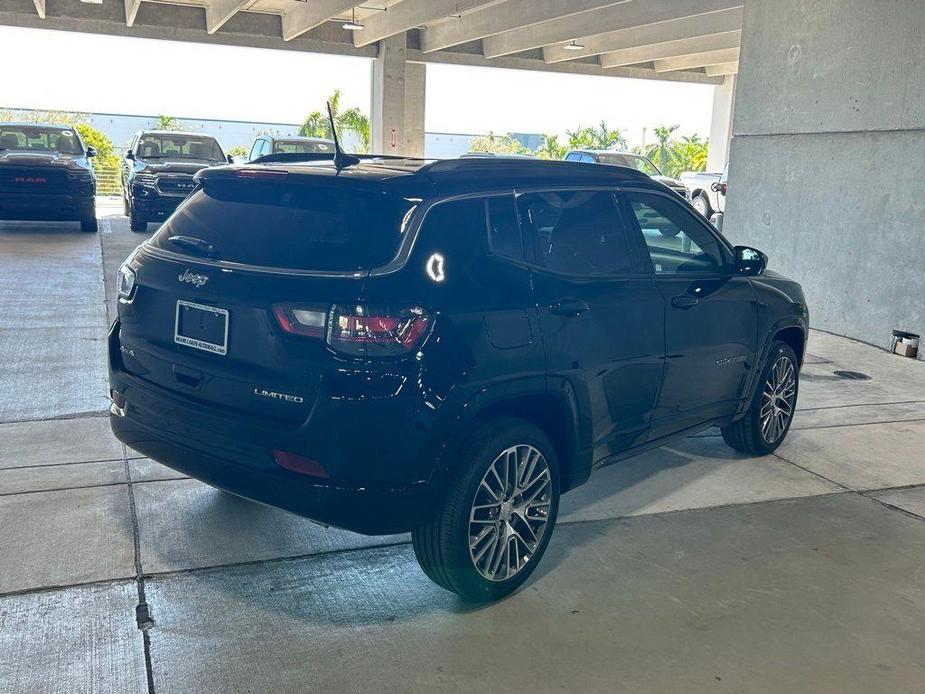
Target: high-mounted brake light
(260, 173)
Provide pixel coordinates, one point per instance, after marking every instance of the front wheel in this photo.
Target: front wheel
(89, 223)
(765, 425)
(135, 221)
(499, 514)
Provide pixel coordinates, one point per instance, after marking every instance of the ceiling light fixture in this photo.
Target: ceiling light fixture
(573, 46)
(353, 24)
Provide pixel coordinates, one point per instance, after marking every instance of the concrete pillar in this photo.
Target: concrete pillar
(721, 124)
(825, 165)
(397, 119)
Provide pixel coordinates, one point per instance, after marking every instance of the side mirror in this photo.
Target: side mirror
(91, 151)
(130, 156)
(749, 261)
(230, 159)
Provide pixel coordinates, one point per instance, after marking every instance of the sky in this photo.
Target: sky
(236, 83)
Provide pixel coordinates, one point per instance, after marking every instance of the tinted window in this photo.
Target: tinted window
(631, 161)
(255, 149)
(40, 139)
(304, 227)
(677, 242)
(573, 156)
(503, 231)
(577, 232)
(157, 146)
(302, 147)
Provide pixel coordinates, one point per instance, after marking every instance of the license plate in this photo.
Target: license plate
(202, 327)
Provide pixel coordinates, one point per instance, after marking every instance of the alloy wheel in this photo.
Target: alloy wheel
(778, 399)
(510, 512)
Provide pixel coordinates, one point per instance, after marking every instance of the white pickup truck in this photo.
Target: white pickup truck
(707, 191)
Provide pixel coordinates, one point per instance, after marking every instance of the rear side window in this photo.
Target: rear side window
(503, 230)
(287, 226)
(577, 232)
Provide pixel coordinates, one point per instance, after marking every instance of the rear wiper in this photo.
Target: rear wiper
(191, 243)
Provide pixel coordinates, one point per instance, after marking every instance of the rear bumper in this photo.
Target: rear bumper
(378, 457)
(371, 511)
(46, 207)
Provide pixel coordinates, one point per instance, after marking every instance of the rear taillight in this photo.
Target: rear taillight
(358, 330)
(307, 320)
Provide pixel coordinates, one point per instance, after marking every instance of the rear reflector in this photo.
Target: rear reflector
(300, 464)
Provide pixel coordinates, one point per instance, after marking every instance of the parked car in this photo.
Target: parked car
(490, 155)
(270, 144)
(157, 172)
(45, 174)
(705, 198)
(629, 159)
(415, 347)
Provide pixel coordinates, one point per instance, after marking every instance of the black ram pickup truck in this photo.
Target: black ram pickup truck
(45, 174)
(158, 170)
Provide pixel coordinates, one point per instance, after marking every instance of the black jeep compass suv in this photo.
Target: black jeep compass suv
(444, 347)
(158, 169)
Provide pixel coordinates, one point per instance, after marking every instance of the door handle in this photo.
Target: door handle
(684, 301)
(568, 307)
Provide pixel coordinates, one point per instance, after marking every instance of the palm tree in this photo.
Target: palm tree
(316, 123)
(660, 152)
(550, 148)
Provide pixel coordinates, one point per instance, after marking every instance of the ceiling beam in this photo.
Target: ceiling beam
(694, 60)
(671, 49)
(40, 7)
(307, 15)
(131, 9)
(409, 14)
(645, 34)
(721, 69)
(220, 11)
(503, 17)
(578, 26)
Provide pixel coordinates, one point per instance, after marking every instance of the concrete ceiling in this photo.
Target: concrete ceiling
(685, 40)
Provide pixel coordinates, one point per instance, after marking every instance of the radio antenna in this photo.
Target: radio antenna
(341, 159)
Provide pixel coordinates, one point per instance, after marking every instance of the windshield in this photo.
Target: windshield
(296, 227)
(40, 139)
(631, 160)
(154, 146)
(302, 147)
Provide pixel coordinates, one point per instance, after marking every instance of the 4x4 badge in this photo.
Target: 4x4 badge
(192, 278)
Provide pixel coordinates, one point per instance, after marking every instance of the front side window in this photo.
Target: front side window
(577, 232)
(677, 242)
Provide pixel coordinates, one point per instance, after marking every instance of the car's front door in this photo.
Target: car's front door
(601, 315)
(711, 326)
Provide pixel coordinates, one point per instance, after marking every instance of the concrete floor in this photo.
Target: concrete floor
(686, 569)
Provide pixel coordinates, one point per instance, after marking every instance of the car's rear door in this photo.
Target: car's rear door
(601, 315)
(711, 313)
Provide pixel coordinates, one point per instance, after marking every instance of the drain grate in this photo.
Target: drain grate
(852, 375)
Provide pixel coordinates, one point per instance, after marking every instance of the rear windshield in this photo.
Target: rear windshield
(302, 147)
(638, 163)
(155, 146)
(39, 139)
(286, 226)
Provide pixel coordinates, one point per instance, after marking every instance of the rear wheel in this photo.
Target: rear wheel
(770, 414)
(702, 205)
(496, 521)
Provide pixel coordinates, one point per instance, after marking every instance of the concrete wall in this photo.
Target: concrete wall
(828, 157)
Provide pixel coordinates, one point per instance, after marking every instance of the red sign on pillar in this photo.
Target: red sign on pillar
(394, 140)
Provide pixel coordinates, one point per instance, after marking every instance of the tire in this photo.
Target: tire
(136, 222)
(90, 223)
(754, 435)
(442, 545)
(702, 204)
(125, 207)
